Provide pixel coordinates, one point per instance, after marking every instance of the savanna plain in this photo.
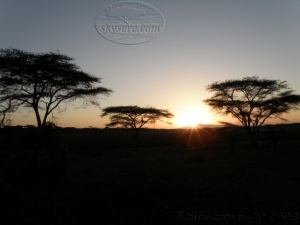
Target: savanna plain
(178, 176)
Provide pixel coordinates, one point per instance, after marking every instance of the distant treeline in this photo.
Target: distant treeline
(95, 138)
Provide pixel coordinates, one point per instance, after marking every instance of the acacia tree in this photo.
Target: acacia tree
(252, 101)
(45, 81)
(134, 117)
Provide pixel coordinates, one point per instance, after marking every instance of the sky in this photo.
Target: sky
(202, 41)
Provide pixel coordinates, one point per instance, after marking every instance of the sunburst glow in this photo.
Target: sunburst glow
(192, 117)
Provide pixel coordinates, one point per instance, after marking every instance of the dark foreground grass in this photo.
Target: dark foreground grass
(218, 184)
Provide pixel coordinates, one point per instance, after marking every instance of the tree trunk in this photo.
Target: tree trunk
(37, 145)
(39, 135)
(253, 139)
(136, 141)
(137, 133)
(252, 136)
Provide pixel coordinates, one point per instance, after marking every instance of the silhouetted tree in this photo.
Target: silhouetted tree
(45, 81)
(134, 117)
(7, 107)
(252, 101)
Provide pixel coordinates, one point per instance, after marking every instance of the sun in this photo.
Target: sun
(191, 117)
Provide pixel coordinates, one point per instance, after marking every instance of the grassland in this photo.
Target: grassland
(207, 176)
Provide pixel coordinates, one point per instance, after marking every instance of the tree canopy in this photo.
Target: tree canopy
(134, 117)
(252, 100)
(44, 82)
